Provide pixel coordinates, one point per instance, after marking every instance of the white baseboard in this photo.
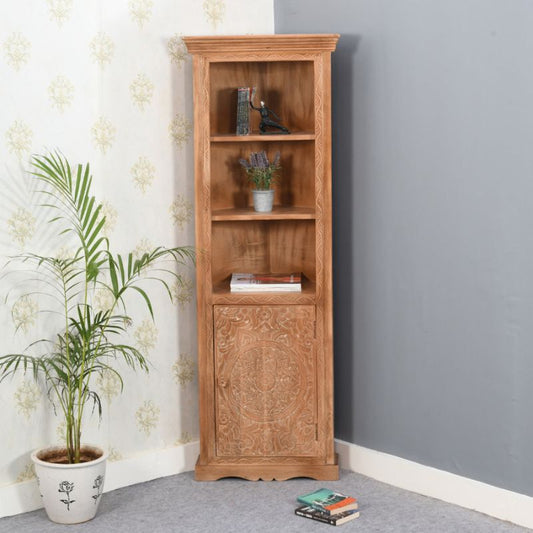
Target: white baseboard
(465, 492)
(23, 497)
(487, 499)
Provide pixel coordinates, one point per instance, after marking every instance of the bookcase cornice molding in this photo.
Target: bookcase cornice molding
(286, 43)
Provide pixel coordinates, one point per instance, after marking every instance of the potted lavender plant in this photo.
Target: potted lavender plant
(262, 174)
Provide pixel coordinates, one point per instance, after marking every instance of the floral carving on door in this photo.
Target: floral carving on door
(265, 363)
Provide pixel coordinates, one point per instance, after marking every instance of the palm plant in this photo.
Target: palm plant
(89, 341)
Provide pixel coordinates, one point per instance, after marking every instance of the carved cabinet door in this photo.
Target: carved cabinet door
(265, 381)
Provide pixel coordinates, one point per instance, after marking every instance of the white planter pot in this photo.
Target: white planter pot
(71, 493)
(263, 200)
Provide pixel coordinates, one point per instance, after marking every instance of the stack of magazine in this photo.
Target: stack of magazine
(328, 506)
(247, 282)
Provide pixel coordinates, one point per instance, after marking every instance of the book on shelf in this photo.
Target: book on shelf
(244, 96)
(329, 501)
(335, 520)
(270, 282)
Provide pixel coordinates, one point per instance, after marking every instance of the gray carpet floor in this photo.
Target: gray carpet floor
(180, 504)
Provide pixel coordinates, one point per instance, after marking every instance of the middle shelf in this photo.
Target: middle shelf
(277, 213)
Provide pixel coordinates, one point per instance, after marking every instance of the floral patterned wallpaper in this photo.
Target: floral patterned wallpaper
(108, 83)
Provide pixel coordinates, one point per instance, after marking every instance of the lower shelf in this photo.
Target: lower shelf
(210, 472)
(222, 295)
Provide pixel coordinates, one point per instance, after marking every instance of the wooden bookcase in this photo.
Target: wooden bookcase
(265, 360)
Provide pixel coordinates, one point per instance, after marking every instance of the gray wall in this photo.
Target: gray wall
(433, 229)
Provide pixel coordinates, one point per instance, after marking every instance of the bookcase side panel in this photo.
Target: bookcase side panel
(323, 252)
(203, 255)
(326, 319)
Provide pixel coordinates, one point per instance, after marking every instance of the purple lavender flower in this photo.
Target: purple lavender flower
(260, 171)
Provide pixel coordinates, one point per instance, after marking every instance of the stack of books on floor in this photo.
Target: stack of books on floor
(246, 282)
(328, 506)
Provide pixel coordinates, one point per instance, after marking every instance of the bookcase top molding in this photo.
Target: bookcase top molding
(224, 44)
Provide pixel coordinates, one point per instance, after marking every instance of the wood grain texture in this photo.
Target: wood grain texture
(285, 86)
(263, 246)
(282, 212)
(261, 45)
(256, 472)
(265, 360)
(294, 136)
(230, 188)
(265, 371)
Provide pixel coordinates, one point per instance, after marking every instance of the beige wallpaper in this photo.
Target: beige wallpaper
(108, 82)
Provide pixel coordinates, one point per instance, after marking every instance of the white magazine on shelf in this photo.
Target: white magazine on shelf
(247, 282)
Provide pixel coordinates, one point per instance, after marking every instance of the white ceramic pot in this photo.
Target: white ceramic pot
(71, 493)
(263, 200)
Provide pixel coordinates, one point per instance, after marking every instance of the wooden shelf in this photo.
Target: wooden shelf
(232, 138)
(277, 213)
(223, 295)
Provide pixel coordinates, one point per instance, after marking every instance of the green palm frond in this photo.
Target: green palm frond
(125, 272)
(81, 213)
(90, 341)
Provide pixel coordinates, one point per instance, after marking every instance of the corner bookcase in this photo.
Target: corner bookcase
(265, 360)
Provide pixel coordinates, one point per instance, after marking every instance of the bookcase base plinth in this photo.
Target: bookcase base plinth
(210, 472)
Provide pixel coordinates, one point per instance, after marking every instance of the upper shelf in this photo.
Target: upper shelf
(297, 136)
